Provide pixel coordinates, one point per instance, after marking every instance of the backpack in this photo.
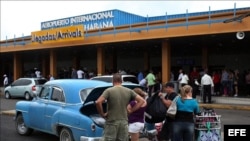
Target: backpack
(155, 110)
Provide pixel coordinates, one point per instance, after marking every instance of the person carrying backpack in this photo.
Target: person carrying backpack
(167, 98)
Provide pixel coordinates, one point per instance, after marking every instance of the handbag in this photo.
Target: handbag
(172, 109)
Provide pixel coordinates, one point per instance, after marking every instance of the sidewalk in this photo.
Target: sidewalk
(220, 102)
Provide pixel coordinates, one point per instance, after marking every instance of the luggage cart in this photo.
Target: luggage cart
(208, 126)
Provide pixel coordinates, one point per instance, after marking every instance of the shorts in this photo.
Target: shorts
(116, 130)
(135, 127)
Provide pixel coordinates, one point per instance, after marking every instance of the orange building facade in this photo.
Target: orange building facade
(213, 39)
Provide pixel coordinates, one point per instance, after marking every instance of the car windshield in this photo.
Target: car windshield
(40, 81)
(130, 79)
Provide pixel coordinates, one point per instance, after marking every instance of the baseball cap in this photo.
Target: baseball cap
(169, 84)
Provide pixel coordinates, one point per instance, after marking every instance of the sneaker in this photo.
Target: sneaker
(235, 95)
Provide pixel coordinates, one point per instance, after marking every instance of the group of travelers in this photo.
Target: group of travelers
(131, 105)
(223, 82)
(81, 73)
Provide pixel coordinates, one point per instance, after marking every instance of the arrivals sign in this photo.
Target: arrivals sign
(69, 33)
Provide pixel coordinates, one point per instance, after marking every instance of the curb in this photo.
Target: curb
(226, 106)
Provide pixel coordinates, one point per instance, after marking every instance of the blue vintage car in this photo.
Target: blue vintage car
(64, 108)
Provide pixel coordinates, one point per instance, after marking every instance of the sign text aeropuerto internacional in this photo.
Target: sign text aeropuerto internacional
(90, 21)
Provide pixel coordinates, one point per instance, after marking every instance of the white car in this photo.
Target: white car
(24, 87)
(109, 78)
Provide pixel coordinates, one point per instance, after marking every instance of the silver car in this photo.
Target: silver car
(24, 87)
(109, 78)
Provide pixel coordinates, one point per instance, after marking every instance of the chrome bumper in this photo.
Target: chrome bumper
(83, 138)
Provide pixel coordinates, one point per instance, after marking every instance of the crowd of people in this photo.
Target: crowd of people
(131, 105)
(182, 127)
(224, 82)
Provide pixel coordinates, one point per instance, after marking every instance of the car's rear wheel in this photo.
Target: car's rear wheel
(21, 128)
(7, 95)
(66, 135)
(27, 96)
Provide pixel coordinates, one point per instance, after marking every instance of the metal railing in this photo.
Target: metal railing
(147, 27)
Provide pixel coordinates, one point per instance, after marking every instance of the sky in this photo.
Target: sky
(20, 18)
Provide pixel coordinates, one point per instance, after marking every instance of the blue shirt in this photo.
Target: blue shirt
(186, 109)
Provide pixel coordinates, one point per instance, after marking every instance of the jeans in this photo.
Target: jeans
(183, 131)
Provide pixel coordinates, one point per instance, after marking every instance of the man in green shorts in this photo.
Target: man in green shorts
(118, 97)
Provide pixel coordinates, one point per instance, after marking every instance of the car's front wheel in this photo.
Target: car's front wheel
(27, 96)
(7, 95)
(66, 135)
(21, 128)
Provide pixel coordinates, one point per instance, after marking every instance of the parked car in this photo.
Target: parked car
(65, 108)
(24, 87)
(109, 78)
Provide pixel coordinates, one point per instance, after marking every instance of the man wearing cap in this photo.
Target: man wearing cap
(5, 81)
(167, 98)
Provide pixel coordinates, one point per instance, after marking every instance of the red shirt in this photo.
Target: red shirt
(216, 78)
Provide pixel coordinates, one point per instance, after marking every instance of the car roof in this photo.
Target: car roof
(72, 87)
(34, 78)
(123, 75)
(108, 78)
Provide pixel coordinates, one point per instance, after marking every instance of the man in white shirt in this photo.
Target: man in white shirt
(5, 81)
(184, 79)
(80, 74)
(206, 84)
(180, 78)
(37, 72)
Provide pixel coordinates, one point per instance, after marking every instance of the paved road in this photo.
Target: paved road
(8, 132)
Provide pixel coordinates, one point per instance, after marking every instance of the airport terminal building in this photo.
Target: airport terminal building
(114, 39)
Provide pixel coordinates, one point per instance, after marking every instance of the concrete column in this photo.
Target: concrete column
(18, 67)
(166, 63)
(100, 60)
(52, 60)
